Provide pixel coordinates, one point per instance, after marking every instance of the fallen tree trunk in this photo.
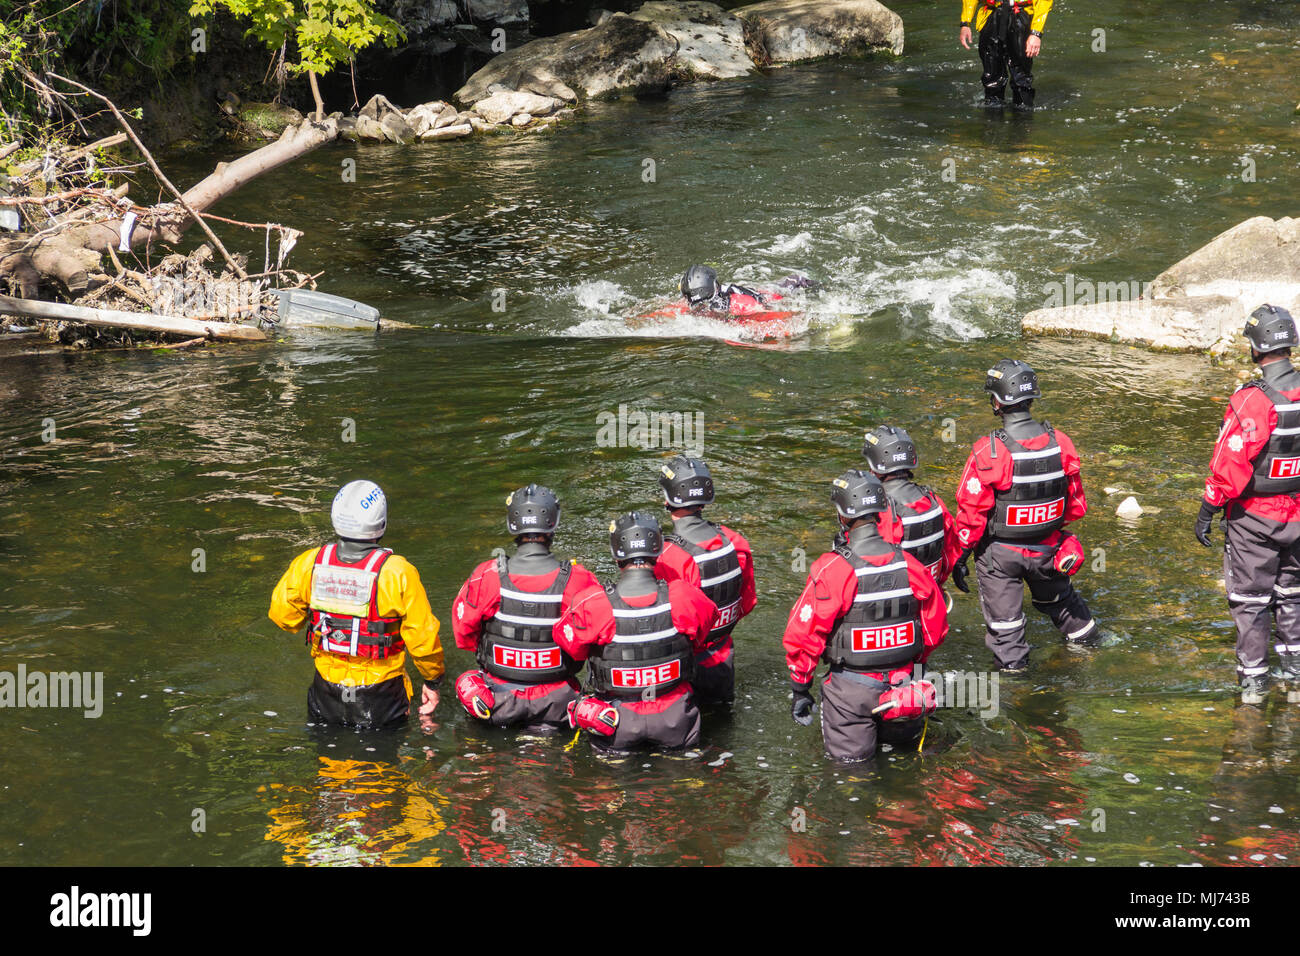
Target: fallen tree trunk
(71, 253)
(135, 321)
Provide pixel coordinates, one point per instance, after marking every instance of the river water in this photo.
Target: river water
(1134, 752)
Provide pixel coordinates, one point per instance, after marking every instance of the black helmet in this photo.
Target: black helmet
(686, 482)
(858, 493)
(699, 283)
(635, 535)
(1270, 328)
(533, 509)
(1012, 381)
(888, 449)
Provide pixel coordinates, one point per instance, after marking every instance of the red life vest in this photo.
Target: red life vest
(720, 579)
(343, 617)
(1034, 506)
(1277, 467)
(517, 643)
(647, 657)
(883, 628)
(923, 532)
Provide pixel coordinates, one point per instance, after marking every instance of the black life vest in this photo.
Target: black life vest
(883, 628)
(647, 657)
(1277, 467)
(343, 614)
(1034, 506)
(922, 531)
(517, 643)
(720, 579)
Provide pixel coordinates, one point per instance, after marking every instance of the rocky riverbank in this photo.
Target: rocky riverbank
(1199, 304)
(658, 46)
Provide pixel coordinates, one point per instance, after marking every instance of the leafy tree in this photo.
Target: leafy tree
(324, 32)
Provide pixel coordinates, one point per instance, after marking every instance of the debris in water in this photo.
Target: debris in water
(1129, 508)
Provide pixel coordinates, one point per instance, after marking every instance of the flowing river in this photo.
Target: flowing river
(933, 227)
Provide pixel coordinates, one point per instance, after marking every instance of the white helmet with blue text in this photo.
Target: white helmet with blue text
(360, 511)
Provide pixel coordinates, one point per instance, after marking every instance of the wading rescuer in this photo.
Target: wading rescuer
(1011, 35)
(640, 638)
(506, 613)
(713, 558)
(1255, 479)
(1020, 488)
(872, 612)
(917, 517)
(365, 610)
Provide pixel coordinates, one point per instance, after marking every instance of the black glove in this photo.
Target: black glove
(960, 572)
(801, 704)
(1203, 519)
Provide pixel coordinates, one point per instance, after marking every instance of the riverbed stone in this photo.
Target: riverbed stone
(368, 128)
(447, 132)
(788, 31)
(500, 107)
(521, 119)
(711, 41)
(377, 107)
(621, 55)
(397, 128)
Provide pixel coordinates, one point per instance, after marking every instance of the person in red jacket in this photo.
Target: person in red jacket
(873, 613)
(506, 613)
(917, 517)
(706, 295)
(639, 637)
(1255, 479)
(1020, 488)
(713, 558)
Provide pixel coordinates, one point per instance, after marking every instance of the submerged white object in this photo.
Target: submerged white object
(1129, 508)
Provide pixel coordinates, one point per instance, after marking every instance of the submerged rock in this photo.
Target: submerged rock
(1176, 324)
(787, 31)
(711, 41)
(1129, 508)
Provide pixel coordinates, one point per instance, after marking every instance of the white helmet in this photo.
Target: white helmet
(360, 511)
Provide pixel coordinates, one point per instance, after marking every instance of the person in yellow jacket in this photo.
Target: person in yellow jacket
(365, 609)
(1011, 35)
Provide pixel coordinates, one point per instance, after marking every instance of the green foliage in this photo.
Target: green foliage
(90, 40)
(324, 32)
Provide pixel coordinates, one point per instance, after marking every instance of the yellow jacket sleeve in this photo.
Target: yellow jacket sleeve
(967, 10)
(291, 597)
(1040, 10)
(401, 593)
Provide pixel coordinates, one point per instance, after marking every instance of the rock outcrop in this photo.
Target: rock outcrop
(1200, 303)
(710, 41)
(663, 43)
(793, 30)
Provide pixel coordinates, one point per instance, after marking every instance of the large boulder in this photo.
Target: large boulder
(1201, 301)
(787, 31)
(501, 106)
(711, 41)
(1254, 262)
(1184, 323)
(621, 55)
